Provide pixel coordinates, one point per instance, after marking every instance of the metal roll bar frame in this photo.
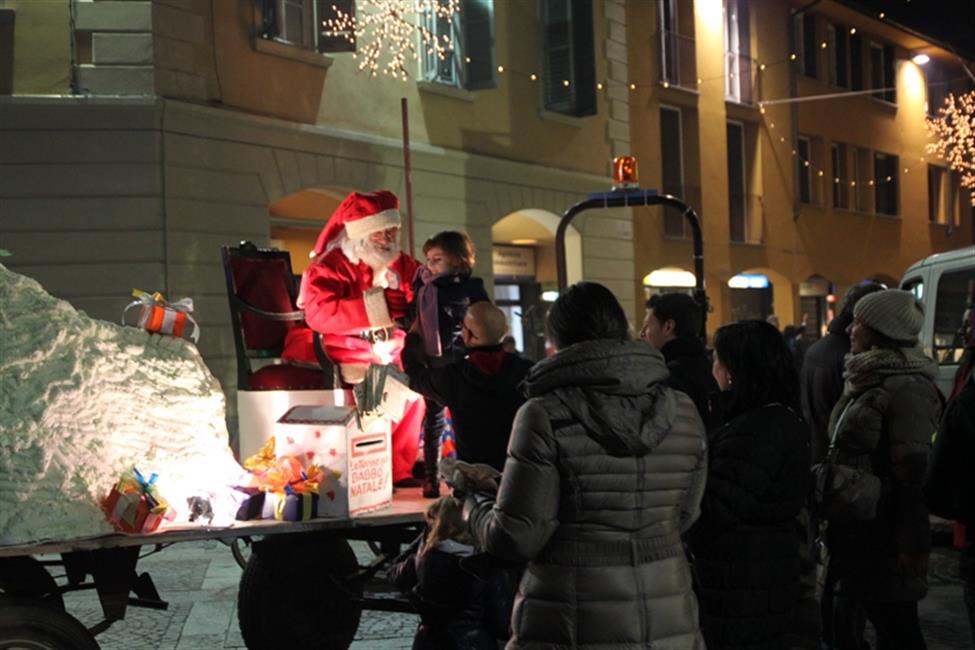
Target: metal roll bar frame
(630, 198)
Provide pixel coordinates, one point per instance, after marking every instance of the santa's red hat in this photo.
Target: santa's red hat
(360, 215)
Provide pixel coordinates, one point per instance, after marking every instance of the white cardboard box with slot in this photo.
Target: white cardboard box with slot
(357, 466)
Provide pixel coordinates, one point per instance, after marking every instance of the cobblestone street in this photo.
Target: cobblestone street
(200, 582)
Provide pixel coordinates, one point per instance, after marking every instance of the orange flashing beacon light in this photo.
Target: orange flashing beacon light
(625, 173)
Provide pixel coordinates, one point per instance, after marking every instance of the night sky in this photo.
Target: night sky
(952, 21)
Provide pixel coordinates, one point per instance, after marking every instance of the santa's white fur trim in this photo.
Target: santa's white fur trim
(373, 223)
(376, 310)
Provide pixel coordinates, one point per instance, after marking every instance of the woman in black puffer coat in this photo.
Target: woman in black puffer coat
(746, 543)
(605, 470)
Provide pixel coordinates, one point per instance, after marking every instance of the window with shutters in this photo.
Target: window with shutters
(672, 165)
(299, 23)
(944, 194)
(804, 169)
(942, 79)
(678, 66)
(937, 89)
(858, 183)
(882, 72)
(856, 62)
(468, 36)
(739, 66)
(569, 57)
(885, 178)
(841, 178)
(806, 46)
(838, 40)
(737, 203)
(444, 67)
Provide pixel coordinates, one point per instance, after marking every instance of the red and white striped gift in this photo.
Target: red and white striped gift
(158, 315)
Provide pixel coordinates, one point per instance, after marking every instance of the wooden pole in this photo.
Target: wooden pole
(407, 175)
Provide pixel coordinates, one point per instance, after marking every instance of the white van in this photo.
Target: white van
(945, 283)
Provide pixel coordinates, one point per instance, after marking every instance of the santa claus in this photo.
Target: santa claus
(353, 293)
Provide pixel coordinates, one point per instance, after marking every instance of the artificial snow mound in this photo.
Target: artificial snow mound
(81, 400)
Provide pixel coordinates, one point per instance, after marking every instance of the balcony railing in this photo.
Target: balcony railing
(741, 78)
(678, 62)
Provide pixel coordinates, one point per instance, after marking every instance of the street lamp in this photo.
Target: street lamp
(920, 59)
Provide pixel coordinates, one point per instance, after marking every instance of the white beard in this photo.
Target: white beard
(377, 258)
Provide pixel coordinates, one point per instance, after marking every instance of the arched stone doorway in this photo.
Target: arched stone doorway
(668, 279)
(523, 262)
(297, 218)
(760, 293)
(817, 300)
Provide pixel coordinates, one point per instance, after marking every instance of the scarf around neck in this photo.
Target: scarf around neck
(870, 368)
(428, 309)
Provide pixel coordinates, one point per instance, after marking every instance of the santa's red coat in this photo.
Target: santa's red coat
(334, 298)
(333, 295)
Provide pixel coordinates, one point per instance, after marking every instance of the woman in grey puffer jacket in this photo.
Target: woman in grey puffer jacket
(883, 425)
(605, 470)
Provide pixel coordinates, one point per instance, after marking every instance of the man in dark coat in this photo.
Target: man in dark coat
(672, 325)
(822, 370)
(480, 390)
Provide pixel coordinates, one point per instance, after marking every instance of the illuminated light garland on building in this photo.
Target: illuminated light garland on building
(389, 27)
(816, 171)
(954, 133)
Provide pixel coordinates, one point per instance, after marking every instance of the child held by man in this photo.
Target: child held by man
(444, 288)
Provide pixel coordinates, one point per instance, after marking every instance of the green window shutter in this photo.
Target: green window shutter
(809, 47)
(890, 77)
(269, 18)
(323, 12)
(477, 17)
(856, 62)
(841, 54)
(569, 56)
(557, 55)
(583, 58)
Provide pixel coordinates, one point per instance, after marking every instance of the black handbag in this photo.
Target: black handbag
(844, 494)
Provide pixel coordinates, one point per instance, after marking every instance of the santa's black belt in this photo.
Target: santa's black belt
(376, 335)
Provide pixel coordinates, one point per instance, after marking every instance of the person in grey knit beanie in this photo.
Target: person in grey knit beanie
(894, 313)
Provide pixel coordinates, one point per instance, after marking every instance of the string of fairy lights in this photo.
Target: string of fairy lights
(387, 27)
(817, 171)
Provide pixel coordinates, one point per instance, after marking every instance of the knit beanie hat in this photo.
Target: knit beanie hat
(895, 313)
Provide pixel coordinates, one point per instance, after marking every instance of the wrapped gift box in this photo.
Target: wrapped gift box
(280, 506)
(135, 506)
(355, 458)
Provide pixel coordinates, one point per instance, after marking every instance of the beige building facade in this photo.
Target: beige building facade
(156, 132)
(763, 115)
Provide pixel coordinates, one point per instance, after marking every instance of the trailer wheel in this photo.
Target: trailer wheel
(25, 577)
(240, 548)
(300, 593)
(34, 625)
